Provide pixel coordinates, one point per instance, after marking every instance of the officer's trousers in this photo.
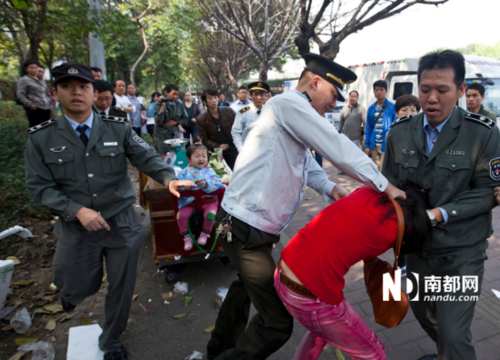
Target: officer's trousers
(78, 268)
(250, 252)
(447, 322)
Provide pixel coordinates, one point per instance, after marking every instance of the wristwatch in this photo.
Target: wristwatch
(432, 218)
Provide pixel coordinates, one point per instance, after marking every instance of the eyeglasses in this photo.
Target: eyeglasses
(108, 98)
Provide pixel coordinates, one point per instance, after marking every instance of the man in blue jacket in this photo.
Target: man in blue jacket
(380, 116)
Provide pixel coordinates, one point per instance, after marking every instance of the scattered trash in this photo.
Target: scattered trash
(15, 259)
(41, 350)
(51, 325)
(149, 300)
(21, 321)
(180, 316)
(310, 198)
(148, 310)
(135, 297)
(18, 355)
(195, 355)
(6, 311)
(181, 288)
(187, 300)
(53, 287)
(222, 292)
(497, 293)
(22, 341)
(166, 302)
(83, 343)
(209, 330)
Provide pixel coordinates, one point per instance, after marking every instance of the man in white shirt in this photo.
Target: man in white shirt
(249, 114)
(122, 101)
(268, 183)
(243, 99)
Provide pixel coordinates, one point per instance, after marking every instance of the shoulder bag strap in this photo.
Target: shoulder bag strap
(381, 112)
(401, 229)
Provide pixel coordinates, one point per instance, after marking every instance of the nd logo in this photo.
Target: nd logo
(388, 285)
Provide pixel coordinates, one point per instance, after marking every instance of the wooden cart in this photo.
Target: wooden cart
(168, 244)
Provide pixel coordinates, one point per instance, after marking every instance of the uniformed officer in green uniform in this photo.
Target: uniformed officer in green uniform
(169, 114)
(76, 166)
(455, 156)
(103, 100)
(475, 96)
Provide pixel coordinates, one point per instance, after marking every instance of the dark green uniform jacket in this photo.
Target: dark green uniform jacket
(459, 174)
(485, 112)
(63, 176)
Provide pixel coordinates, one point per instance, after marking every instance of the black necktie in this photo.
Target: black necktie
(258, 112)
(103, 114)
(82, 129)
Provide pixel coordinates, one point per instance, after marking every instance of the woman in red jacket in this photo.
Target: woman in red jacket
(310, 276)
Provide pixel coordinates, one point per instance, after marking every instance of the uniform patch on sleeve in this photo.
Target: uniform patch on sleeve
(141, 142)
(495, 169)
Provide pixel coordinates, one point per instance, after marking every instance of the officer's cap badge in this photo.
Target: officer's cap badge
(72, 70)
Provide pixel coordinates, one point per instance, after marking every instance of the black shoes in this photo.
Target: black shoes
(120, 354)
(67, 306)
(429, 357)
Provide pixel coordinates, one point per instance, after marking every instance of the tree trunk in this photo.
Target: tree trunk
(302, 44)
(330, 50)
(263, 69)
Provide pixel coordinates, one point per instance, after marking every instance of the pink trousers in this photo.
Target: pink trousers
(209, 214)
(340, 325)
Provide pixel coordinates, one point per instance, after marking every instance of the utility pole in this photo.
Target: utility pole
(96, 47)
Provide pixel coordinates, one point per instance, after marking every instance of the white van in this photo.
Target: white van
(401, 77)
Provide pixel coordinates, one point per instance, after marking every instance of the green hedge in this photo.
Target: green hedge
(15, 200)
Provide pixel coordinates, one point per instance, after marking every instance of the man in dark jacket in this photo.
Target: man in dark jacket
(169, 114)
(214, 127)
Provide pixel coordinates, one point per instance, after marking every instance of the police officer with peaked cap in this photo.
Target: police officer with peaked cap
(268, 183)
(247, 115)
(455, 156)
(76, 166)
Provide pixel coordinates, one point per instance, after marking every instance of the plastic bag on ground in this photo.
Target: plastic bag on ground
(41, 350)
(21, 321)
(181, 287)
(195, 355)
(222, 292)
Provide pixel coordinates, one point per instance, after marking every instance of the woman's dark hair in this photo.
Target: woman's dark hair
(418, 227)
(211, 92)
(190, 150)
(28, 63)
(156, 93)
(447, 59)
(407, 100)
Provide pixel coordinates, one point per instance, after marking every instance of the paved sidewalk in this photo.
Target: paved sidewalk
(408, 340)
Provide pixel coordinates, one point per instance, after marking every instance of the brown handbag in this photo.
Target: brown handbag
(387, 313)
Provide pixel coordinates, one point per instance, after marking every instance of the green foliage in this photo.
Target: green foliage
(492, 51)
(17, 202)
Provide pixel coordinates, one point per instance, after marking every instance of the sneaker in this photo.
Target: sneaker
(202, 240)
(188, 243)
(403, 270)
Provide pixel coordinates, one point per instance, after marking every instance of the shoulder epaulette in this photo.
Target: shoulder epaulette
(245, 109)
(114, 119)
(486, 121)
(31, 130)
(403, 119)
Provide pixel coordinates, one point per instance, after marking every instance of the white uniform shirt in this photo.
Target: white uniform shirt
(238, 105)
(123, 102)
(242, 121)
(275, 165)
